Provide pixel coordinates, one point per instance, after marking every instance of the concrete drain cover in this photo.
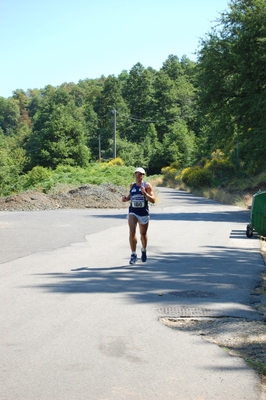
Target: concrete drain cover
(192, 294)
(185, 312)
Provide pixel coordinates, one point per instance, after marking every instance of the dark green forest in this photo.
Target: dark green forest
(185, 114)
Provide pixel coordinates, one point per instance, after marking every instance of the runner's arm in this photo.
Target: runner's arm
(127, 198)
(148, 193)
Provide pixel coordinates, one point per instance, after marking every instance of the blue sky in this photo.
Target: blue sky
(56, 41)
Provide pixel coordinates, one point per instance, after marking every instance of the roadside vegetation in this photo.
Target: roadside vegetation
(216, 179)
(197, 126)
(65, 177)
(202, 125)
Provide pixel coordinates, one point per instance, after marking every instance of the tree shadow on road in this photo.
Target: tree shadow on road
(230, 274)
(241, 216)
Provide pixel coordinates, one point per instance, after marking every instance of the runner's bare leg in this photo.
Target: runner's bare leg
(143, 229)
(132, 223)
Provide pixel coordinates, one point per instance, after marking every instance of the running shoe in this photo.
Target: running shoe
(143, 255)
(133, 259)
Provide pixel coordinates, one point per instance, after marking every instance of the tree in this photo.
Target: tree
(178, 146)
(130, 153)
(12, 162)
(91, 131)
(152, 150)
(23, 101)
(35, 100)
(232, 81)
(138, 93)
(110, 101)
(9, 115)
(58, 132)
(172, 67)
(165, 106)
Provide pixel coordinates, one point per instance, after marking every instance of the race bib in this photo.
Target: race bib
(138, 203)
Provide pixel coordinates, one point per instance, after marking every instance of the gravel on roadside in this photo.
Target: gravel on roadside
(85, 196)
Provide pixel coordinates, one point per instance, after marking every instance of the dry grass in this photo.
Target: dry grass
(155, 180)
(243, 200)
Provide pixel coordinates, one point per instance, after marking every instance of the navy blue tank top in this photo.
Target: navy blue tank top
(139, 205)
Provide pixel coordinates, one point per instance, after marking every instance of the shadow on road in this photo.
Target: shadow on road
(229, 273)
(227, 216)
(221, 269)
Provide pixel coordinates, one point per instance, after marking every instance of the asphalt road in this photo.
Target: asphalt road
(77, 322)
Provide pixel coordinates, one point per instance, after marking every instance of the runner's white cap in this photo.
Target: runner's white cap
(141, 170)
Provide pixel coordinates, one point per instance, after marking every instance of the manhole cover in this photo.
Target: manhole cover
(192, 294)
(185, 312)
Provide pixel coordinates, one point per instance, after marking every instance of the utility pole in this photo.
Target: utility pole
(114, 111)
(99, 147)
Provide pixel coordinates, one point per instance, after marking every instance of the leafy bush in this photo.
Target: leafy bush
(196, 177)
(46, 180)
(35, 177)
(169, 174)
(185, 175)
(116, 161)
(220, 167)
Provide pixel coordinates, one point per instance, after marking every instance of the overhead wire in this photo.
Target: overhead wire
(145, 120)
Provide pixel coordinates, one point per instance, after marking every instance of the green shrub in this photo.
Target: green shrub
(46, 180)
(220, 169)
(35, 176)
(185, 175)
(196, 177)
(169, 174)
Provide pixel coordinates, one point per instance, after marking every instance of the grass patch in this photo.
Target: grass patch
(257, 366)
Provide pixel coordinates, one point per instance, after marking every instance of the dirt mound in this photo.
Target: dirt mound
(86, 196)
